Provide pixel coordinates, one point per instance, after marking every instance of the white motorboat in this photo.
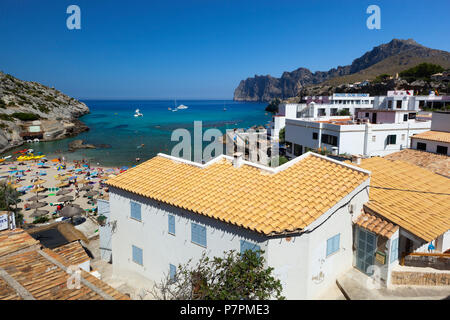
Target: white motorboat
(182, 106)
(138, 113)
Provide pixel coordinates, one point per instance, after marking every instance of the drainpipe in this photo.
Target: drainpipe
(367, 134)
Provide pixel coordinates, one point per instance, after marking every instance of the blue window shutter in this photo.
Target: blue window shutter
(394, 250)
(137, 255)
(172, 271)
(171, 224)
(135, 210)
(333, 244)
(245, 245)
(198, 234)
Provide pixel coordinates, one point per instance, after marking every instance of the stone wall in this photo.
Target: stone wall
(420, 278)
(436, 262)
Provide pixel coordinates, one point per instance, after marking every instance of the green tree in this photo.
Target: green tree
(421, 71)
(9, 198)
(234, 276)
(343, 112)
(282, 134)
(273, 105)
(382, 78)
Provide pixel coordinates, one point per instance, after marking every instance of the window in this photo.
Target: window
(399, 104)
(374, 138)
(172, 272)
(171, 224)
(329, 139)
(333, 244)
(297, 150)
(315, 136)
(391, 139)
(135, 210)
(403, 137)
(411, 115)
(288, 147)
(441, 150)
(198, 234)
(245, 245)
(405, 117)
(367, 115)
(394, 250)
(421, 146)
(137, 255)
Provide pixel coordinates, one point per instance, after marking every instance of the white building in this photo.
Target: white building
(169, 210)
(390, 132)
(437, 140)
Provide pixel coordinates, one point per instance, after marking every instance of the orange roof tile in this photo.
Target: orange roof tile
(73, 252)
(376, 225)
(438, 163)
(420, 201)
(251, 197)
(15, 240)
(45, 280)
(440, 136)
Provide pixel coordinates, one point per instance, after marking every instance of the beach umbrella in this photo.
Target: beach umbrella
(40, 181)
(63, 192)
(91, 193)
(36, 190)
(39, 213)
(36, 204)
(71, 211)
(65, 198)
(15, 185)
(37, 197)
(86, 188)
(62, 185)
(55, 160)
(41, 164)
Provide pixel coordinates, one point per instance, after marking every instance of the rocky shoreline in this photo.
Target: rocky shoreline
(30, 110)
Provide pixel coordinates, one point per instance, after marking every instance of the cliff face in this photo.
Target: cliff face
(23, 100)
(394, 56)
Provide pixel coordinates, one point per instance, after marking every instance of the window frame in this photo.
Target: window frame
(136, 204)
(133, 247)
(422, 145)
(332, 240)
(192, 234)
(389, 139)
(442, 148)
(169, 218)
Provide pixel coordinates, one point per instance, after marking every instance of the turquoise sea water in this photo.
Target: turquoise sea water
(113, 123)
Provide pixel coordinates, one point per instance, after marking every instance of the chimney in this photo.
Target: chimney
(356, 159)
(237, 159)
(334, 151)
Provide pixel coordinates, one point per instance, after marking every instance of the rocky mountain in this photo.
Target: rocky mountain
(23, 101)
(389, 58)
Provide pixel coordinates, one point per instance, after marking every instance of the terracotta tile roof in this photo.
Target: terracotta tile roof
(15, 240)
(424, 212)
(7, 292)
(73, 252)
(440, 136)
(45, 280)
(376, 225)
(249, 197)
(438, 163)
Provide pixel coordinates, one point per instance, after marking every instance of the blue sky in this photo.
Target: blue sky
(197, 48)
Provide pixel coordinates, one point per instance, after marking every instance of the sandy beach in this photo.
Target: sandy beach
(55, 181)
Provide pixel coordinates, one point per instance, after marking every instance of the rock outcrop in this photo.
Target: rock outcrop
(22, 102)
(390, 58)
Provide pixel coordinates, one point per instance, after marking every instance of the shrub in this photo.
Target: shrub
(421, 71)
(273, 105)
(24, 116)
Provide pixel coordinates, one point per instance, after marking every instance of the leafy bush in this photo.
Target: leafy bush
(422, 71)
(235, 276)
(24, 116)
(2, 104)
(42, 219)
(273, 105)
(6, 117)
(344, 112)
